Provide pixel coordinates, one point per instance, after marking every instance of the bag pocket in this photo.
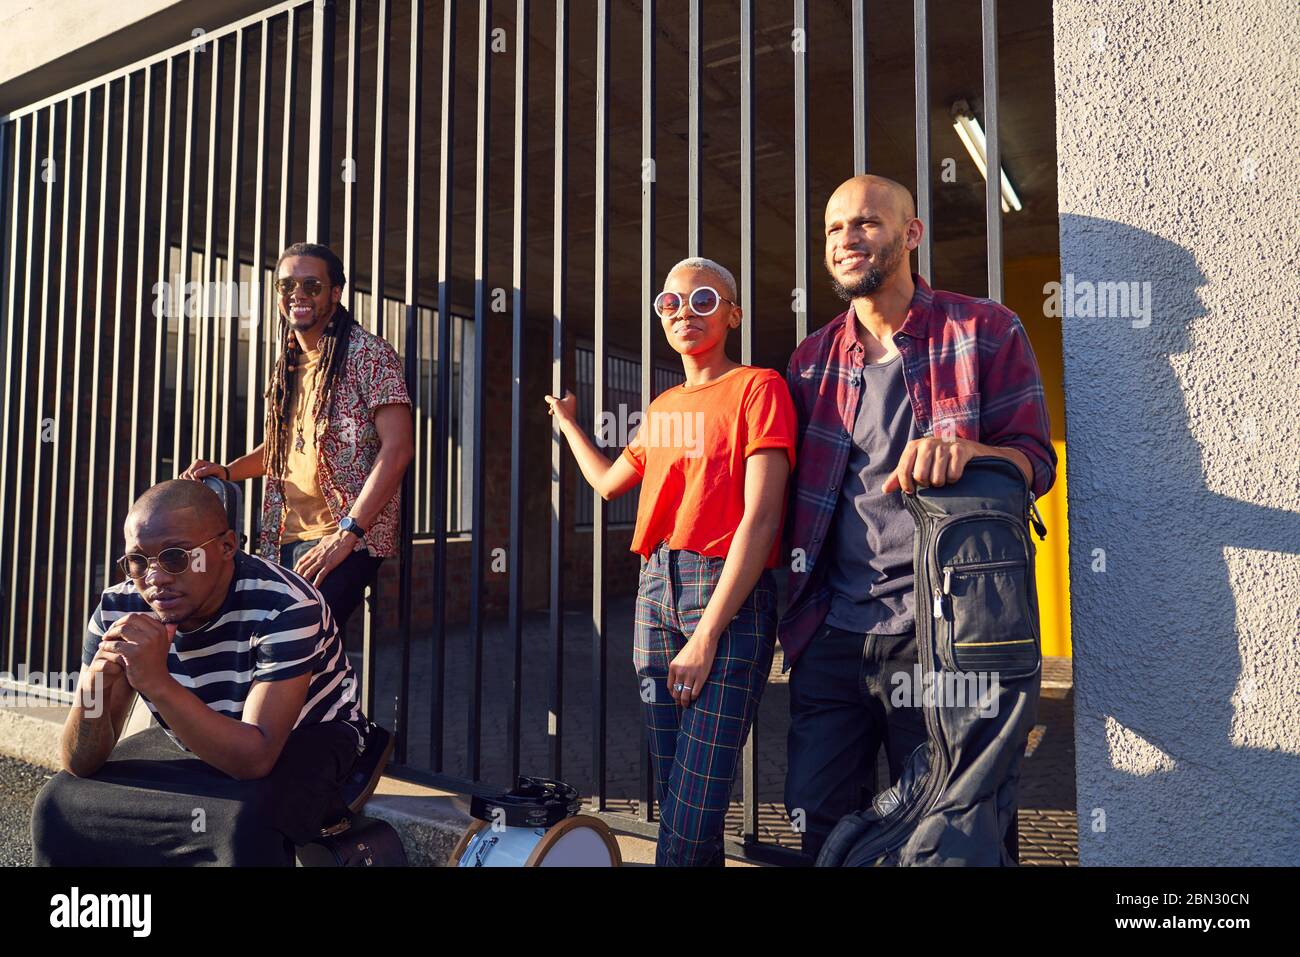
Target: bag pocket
(985, 612)
(991, 628)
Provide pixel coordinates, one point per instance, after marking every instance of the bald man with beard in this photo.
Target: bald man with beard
(901, 390)
(239, 660)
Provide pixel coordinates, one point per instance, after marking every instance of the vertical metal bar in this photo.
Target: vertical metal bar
(75, 462)
(91, 583)
(20, 360)
(350, 154)
(320, 140)
(57, 533)
(646, 794)
(479, 529)
(559, 504)
(179, 461)
(286, 140)
(423, 411)
(258, 297)
(992, 148)
(598, 531)
(859, 87)
(39, 520)
(12, 325)
(693, 142)
(205, 327)
(274, 324)
(412, 345)
(747, 180)
(21, 412)
(212, 325)
(141, 239)
(10, 188)
(111, 512)
(921, 56)
(442, 410)
(515, 562)
(422, 419)
(379, 224)
(226, 398)
(801, 171)
(162, 307)
(749, 767)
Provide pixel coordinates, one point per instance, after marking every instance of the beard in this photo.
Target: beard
(875, 276)
(315, 319)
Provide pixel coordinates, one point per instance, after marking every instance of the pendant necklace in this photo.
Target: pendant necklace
(299, 443)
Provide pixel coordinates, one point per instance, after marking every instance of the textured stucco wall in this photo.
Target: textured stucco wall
(1178, 158)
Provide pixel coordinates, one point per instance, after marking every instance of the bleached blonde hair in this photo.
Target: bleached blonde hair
(719, 270)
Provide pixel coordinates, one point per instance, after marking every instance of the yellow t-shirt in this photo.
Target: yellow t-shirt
(306, 514)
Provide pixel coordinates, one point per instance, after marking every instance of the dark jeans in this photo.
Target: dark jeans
(840, 715)
(154, 804)
(345, 586)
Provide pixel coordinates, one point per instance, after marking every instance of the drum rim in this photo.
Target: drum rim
(556, 831)
(475, 826)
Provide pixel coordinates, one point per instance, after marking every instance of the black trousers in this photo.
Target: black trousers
(840, 715)
(345, 586)
(153, 804)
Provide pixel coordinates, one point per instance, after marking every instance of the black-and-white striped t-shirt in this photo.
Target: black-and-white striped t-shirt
(272, 626)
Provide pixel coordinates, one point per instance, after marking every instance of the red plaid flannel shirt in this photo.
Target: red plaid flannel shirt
(968, 368)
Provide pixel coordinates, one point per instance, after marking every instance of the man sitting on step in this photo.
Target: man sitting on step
(239, 660)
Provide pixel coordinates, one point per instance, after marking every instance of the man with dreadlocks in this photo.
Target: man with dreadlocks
(338, 437)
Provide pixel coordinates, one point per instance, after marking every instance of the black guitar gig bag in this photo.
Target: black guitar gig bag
(979, 664)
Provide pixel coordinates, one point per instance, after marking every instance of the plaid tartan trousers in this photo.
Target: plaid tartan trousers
(695, 751)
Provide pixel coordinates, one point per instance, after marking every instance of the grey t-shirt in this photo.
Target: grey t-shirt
(870, 548)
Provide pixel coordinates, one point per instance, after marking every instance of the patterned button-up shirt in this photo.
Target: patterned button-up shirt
(347, 445)
(970, 373)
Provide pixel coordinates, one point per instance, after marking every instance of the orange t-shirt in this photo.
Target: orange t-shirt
(690, 452)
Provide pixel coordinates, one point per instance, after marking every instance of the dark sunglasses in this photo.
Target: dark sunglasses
(704, 301)
(287, 284)
(171, 560)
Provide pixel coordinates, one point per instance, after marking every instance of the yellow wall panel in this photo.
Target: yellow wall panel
(1024, 280)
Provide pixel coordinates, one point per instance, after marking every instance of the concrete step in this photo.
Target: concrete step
(31, 733)
(429, 821)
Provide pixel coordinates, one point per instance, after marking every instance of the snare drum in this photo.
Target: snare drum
(535, 824)
(578, 841)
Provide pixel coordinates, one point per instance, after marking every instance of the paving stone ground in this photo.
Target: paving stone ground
(19, 784)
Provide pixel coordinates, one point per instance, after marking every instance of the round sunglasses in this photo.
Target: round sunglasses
(171, 560)
(311, 286)
(703, 300)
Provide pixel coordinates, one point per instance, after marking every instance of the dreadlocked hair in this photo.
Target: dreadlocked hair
(280, 391)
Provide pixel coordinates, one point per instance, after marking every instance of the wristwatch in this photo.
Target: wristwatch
(349, 524)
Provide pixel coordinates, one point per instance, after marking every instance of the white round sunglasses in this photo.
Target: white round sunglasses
(704, 301)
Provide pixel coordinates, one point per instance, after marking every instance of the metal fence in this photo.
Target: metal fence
(623, 390)
(201, 163)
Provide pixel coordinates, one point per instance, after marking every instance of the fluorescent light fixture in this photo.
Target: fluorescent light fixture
(972, 134)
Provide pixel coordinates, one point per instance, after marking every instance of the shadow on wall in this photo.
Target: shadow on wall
(1185, 653)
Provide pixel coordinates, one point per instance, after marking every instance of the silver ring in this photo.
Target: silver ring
(679, 687)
